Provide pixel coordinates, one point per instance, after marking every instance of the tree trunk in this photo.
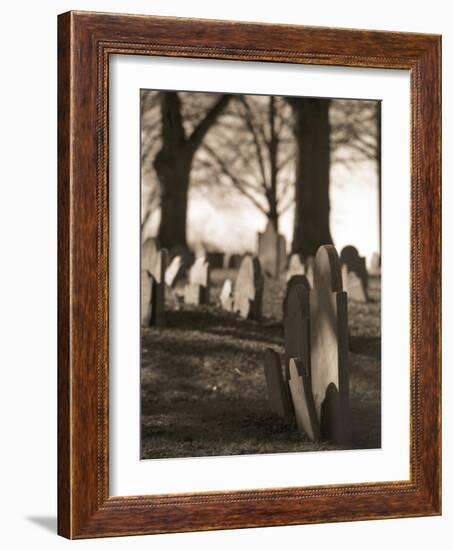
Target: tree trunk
(173, 164)
(312, 208)
(173, 170)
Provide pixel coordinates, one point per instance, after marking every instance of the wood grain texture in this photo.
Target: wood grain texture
(85, 42)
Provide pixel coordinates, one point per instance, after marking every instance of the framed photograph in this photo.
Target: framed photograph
(249, 275)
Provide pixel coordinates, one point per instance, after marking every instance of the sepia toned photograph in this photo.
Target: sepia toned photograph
(260, 274)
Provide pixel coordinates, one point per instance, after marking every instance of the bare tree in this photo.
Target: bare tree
(326, 132)
(251, 151)
(174, 143)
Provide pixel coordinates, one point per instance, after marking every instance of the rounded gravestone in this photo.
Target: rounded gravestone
(248, 289)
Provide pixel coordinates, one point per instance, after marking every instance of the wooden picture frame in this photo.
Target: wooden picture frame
(85, 42)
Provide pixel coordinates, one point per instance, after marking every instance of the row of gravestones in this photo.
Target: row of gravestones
(353, 271)
(157, 273)
(314, 386)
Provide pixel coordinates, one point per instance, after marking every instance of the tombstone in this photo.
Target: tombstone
(197, 291)
(329, 347)
(248, 289)
(302, 397)
(175, 272)
(375, 264)
(350, 258)
(146, 294)
(154, 261)
(353, 284)
(309, 263)
(272, 251)
(295, 266)
(296, 322)
(226, 295)
(200, 251)
(193, 294)
(277, 388)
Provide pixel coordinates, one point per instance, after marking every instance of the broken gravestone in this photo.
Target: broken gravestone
(154, 262)
(226, 295)
(197, 291)
(272, 251)
(302, 398)
(277, 388)
(296, 322)
(354, 274)
(329, 347)
(248, 289)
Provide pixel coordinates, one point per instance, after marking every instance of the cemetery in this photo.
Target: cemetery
(260, 278)
(240, 361)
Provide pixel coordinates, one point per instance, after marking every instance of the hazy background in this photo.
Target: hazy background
(223, 219)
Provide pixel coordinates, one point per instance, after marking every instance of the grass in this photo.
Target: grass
(203, 388)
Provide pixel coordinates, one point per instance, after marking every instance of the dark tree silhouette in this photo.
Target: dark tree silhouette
(327, 132)
(312, 205)
(173, 161)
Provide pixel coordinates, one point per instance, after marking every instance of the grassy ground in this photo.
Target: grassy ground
(203, 386)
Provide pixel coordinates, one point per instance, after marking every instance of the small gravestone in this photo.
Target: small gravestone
(200, 251)
(329, 346)
(375, 264)
(272, 251)
(226, 295)
(248, 289)
(309, 263)
(197, 291)
(193, 294)
(353, 285)
(296, 322)
(154, 261)
(277, 388)
(354, 263)
(295, 266)
(146, 293)
(302, 397)
(175, 272)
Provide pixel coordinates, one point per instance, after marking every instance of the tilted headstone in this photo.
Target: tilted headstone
(272, 251)
(175, 272)
(354, 263)
(200, 281)
(296, 266)
(154, 261)
(248, 289)
(277, 388)
(296, 322)
(302, 398)
(226, 295)
(375, 264)
(329, 347)
(146, 294)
